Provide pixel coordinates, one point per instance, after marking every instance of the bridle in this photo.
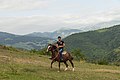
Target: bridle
(50, 48)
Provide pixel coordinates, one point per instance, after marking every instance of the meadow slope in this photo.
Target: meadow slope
(22, 65)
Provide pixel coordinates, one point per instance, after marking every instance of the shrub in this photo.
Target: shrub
(78, 55)
(103, 62)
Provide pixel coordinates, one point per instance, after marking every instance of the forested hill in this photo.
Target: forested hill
(97, 45)
(24, 42)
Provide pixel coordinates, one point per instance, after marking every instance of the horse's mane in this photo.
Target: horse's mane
(54, 46)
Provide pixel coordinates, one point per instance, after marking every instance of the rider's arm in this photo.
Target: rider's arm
(62, 45)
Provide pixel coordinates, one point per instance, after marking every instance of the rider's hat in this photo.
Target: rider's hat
(59, 37)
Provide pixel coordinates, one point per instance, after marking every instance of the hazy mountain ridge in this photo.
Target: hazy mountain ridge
(101, 25)
(25, 42)
(62, 32)
(35, 40)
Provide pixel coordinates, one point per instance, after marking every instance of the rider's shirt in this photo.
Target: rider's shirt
(60, 43)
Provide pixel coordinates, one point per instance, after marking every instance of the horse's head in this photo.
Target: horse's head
(51, 48)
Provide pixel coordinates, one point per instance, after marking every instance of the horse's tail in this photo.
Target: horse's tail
(71, 58)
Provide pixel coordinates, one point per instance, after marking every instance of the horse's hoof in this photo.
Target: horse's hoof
(66, 69)
(73, 69)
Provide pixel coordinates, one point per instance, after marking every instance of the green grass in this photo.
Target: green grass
(19, 65)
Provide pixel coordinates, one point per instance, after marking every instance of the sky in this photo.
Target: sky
(27, 16)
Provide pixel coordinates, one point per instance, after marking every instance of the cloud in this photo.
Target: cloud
(23, 4)
(106, 16)
(28, 24)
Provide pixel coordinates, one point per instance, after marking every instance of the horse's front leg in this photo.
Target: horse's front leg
(59, 67)
(52, 63)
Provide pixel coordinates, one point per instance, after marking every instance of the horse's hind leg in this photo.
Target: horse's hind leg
(66, 66)
(72, 64)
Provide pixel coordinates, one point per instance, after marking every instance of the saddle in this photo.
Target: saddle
(64, 52)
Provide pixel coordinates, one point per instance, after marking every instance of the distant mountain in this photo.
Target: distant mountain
(101, 25)
(34, 40)
(24, 42)
(62, 32)
(97, 45)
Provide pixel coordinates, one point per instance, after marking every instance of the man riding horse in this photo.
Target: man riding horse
(58, 54)
(60, 45)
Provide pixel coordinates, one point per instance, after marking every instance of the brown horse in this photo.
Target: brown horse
(56, 57)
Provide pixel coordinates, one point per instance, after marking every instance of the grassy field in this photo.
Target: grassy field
(19, 65)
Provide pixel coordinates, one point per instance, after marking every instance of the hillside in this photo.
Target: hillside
(22, 65)
(100, 44)
(35, 40)
(24, 42)
(62, 32)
